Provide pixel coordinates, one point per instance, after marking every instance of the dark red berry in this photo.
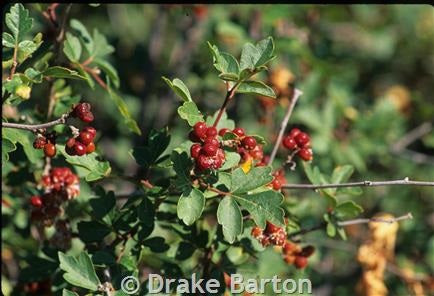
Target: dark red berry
(294, 132)
(70, 150)
(90, 130)
(271, 228)
(223, 131)
(305, 154)
(209, 149)
(79, 148)
(195, 150)
(85, 138)
(288, 247)
(289, 143)
(307, 251)
(300, 262)
(83, 112)
(302, 139)
(36, 201)
(211, 132)
(39, 142)
(90, 148)
(200, 129)
(212, 141)
(238, 131)
(192, 136)
(204, 162)
(249, 143)
(49, 150)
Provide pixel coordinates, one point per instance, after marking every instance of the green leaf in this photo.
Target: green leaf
(25, 49)
(109, 70)
(25, 139)
(256, 177)
(156, 244)
(122, 107)
(61, 72)
(179, 88)
(7, 146)
(224, 62)
(32, 75)
(223, 123)
(94, 168)
(8, 40)
(79, 271)
(103, 205)
(190, 207)
(72, 47)
(92, 231)
(348, 209)
(145, 211)
(100, 45)
(189, 111)
(18, 21)
(331, 230)
(66, 292)
(232, 159)
(156, 144)
(85, 37)
(230, 218)
(263, 206)
(253, 57)
(229, 77)
(256, 88)
(341, 232)
(182, 165)
(342, 173)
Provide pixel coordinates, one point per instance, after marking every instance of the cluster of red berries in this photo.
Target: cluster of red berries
(278, 180)
(294, 254)
(82, 111)
(46, 142)
(83, 143)
(59, 186)
(37, 288)
(299, 142)
(206, 151)
(271, 235)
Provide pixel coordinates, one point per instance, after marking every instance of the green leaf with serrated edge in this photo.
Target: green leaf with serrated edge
(95, 169)
(224, 62)
(100, 45)
(157, 143)
(179, 88)
(7, 146)
(224, 122)
(249, 56)
(92, 231)
(263, 206)
(256, 88)
(256, 177)
(32, 75)
(190, 206)
(72, 47)
(348, 209)
(189, 111)
(66, 292)
(61, 72)
(8, 40)
(182, 165)
(25, 139)
(266, 49)
(84, 35)
(25, 49)
(79, 271)
(232, 159)
(123, 109)
(253, 57)
(18, 21)
(109, 70)
(230, 218)
(223, 183)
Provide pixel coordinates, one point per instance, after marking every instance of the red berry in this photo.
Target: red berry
(192, 136)
(256, 231)
(200, 129)
(90, 130)
(289, 143)
(49, 150)
(79, 148)
(289, 259)
(300, 262)
(204, 162)
(195, 150)
(83, 112)
(223, 131)
(209, 149)
(249, 143)
(70, 143)
(288, 247)
(307, 251)
(90, 148)
(294, 132)
(277, 185)
(257, 153)
(305, 154)
(85, 138)
(238, 131)
(211, 132)
(39, 142)
(36, 201)
(70, 150)
(87, 117)
(271, 228)
(302, 139)
(212, 141)
(265, 241)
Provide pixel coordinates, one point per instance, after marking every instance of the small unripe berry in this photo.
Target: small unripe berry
(195, 150)
(289, 143)
(85, 138)
(223, 131)
(302, 139)
(249, 143)
(49, 150)
(300, 262)
(211, 132)
(238, 131)
(36, 201)
(79, 148)
(209, 149)
(90, 148)
(305, 154)
(200, 129)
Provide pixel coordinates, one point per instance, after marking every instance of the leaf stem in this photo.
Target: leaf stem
(229, 95)
(297, 93)
(14, 62)
(405, 181)
(35, 127)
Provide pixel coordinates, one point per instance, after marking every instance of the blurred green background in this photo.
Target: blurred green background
(367, 76)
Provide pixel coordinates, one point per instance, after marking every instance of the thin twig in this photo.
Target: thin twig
(229, 95)
(36, 127)
(297, 93)
(14, 62)
(369, 220)
(405, 181)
